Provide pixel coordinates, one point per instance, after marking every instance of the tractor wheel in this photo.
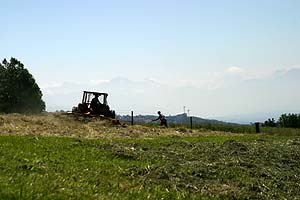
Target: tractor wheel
(82, 107)
(113, 114)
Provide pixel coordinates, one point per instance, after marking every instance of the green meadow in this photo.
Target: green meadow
(62, 157)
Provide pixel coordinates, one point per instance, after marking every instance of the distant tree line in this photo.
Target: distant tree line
(285, 120)
(19, 92)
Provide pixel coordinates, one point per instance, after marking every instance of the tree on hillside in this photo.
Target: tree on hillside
(289, 120)
(19, 92)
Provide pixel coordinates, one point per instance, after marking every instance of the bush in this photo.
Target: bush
(270, 123)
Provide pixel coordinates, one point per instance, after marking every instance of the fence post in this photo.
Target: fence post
(191, 121)
(257, 127)
(131, 117)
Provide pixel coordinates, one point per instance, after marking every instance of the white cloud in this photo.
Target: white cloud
(50, 85)
(97, 82)
(236, 70)
(234, 75)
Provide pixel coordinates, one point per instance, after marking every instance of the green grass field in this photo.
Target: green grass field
(58, 157)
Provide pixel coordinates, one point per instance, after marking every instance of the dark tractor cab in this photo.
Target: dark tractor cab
(101, 108)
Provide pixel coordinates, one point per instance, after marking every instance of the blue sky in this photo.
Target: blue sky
(174, 42)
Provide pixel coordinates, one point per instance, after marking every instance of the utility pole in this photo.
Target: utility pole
(183, 109)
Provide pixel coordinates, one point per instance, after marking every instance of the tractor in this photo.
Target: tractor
(101, 108)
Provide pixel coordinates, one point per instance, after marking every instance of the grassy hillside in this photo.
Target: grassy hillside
(77, 126)
(96, 160)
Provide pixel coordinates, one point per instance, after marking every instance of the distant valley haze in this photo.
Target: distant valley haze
(242, 101)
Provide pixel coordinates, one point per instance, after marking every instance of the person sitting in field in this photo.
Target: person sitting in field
(95, 103)
(162, 118)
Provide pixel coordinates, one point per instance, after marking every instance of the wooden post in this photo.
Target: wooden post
(131, 117)
(191, 120)
(257, 127)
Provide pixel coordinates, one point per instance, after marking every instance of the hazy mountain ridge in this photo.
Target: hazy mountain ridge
(177, 119)
(242, 102)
